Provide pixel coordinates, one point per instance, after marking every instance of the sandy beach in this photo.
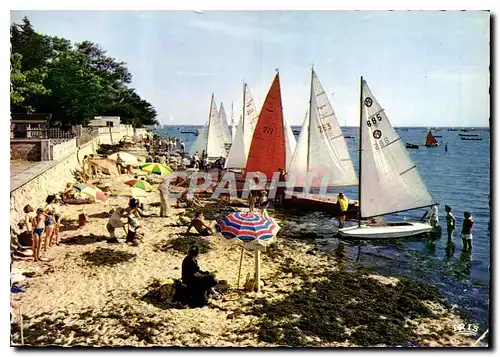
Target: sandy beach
(92, 293)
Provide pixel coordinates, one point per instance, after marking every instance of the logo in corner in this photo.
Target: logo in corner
(368, 102)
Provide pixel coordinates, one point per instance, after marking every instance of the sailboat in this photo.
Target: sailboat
(388, 179)
(322, 148)
(211, 138)
(272, 141)
(240, 147)
(430, 141)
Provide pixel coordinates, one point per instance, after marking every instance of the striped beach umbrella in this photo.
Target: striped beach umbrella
(154, 168)
(91, 191)
(139, 184)
(250, 230)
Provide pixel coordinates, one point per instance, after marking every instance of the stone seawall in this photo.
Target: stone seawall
(50, 180)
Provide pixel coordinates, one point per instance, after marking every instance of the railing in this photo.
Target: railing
(87, 134)
(43, 133)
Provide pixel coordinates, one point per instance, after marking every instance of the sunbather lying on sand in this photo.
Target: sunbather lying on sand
(198, 223)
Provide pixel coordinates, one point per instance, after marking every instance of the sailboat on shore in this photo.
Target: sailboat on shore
(388, 179)
(272, 143)
(210, 140)
(240, 147)
(322, 149)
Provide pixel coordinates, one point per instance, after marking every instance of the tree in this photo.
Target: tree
(74, 83)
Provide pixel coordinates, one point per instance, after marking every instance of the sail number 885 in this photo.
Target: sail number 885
(381, 143)
(373, 120)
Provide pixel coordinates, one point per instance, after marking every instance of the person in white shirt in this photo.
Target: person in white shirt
(115, 221)
(432, 214)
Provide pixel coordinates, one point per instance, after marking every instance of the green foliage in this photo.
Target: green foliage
(73, 82)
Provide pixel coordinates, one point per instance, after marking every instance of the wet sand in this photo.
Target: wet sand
(91, 292)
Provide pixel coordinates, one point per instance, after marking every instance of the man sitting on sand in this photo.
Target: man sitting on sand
(198, 223)
(200, 283)
(69, 191)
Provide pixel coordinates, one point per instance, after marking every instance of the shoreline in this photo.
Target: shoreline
(86, 273)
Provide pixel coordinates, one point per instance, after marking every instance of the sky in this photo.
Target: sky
(426, 68)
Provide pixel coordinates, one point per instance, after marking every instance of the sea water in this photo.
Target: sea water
(459, 178)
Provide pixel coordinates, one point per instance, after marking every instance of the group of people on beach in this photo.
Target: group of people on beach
(40, 228)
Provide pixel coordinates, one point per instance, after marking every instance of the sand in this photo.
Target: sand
(89, 293)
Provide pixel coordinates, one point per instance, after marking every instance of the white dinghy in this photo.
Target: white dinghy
(388, 179)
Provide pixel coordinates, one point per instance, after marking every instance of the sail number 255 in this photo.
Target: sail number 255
(373, 120)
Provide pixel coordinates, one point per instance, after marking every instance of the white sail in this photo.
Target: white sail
(328, 153)
(200, 144)
(298, 164)
(223, 123)
(233, 124)
(390, 181)
(237, 155)
(322, 149)
(215, 140)
(290, 143)
(250, 119)
(240, 147)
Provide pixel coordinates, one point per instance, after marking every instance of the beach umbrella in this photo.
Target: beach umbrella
(250, 230)
(91, 191)
(138, 192)
(127, 158)
(139, 184)
(154, 168)
(108, 166)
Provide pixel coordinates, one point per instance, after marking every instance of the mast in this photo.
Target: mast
(243, 117)
(360, 140)
(209, 117)
(309, 123)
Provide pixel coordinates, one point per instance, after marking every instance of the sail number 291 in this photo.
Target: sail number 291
(373, 120)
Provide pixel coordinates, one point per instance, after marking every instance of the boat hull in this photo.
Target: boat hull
(390, 231)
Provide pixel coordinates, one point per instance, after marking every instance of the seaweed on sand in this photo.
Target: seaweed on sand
(107, 257)
(182, 244)
(335, 306)
(90, 327)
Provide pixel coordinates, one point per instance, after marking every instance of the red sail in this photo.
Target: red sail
(431, 140)
(267, 152)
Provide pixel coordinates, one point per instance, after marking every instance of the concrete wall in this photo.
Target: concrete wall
(63, 149)
(36, 190)
(25, 149)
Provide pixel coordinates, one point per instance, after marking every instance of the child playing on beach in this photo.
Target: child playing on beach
(39, 227)
(467, 231)
(115, 221)
(263, 202)
(200, 226)
(133, 226)
(450, 221)
(49, 222)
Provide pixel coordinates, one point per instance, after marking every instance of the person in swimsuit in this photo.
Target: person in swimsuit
(200, 225)
(263, 202)
(29, 222)
(49, 222)
(39, 227)
(56, 204)
(450, 221)
(69, 192)
(467, 231)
